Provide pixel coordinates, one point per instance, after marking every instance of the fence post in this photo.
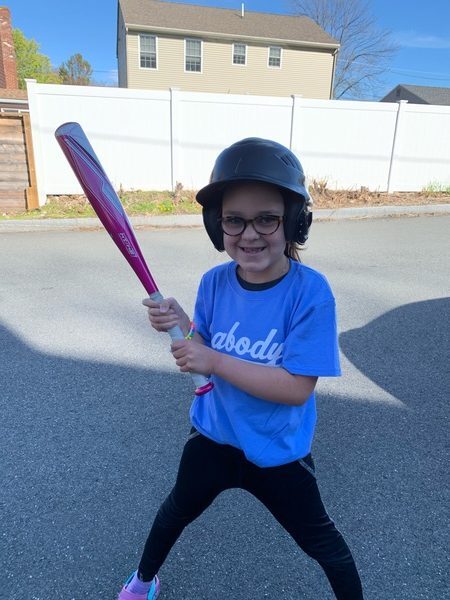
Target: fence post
(37, 141)
(174, 136)
(294, 117)
(32, 190)
(401, 103)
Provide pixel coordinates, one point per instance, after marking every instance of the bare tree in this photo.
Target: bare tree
(365, 51)
(76, 71)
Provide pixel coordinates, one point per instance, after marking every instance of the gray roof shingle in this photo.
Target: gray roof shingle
(429, 95)
(190, 17)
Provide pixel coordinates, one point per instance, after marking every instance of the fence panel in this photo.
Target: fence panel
(422, 148)
(153, 139)
(128, 129)
(348, 144)
(210, 122)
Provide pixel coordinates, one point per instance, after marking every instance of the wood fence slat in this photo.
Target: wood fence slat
(10, 166)
(9, 121)
(14, 194)
(13, 185)
(7, 149)
(15, 177)
(12, 137)
(10, 158)
(18, 188)
(12, 201)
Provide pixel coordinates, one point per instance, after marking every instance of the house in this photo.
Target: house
(13, 100)
(161, 45)
(419, 94)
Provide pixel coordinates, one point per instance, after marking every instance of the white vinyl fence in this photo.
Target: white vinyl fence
(151, 140)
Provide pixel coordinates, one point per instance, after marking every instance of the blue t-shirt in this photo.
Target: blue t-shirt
(291, 325)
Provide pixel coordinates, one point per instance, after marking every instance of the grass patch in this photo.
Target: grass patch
(435, 187)
(136, 202)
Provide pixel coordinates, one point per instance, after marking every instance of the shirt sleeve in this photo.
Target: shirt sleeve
(311, 347)
(201, 321)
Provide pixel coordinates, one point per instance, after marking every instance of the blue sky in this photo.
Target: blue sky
(421, 29)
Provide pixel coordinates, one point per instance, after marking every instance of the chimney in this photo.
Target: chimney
(8, 69)
(242, 10)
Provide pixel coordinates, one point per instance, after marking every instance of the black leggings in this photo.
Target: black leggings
(290, 493)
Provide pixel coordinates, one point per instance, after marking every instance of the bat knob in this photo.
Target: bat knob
(204, 389)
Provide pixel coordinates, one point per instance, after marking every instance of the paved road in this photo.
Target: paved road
(94, 416)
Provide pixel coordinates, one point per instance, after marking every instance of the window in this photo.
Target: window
(239, 54)
(147, 51)
(274, 56)
(193, 55)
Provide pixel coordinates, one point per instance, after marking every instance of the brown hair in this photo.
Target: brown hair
(292, 250)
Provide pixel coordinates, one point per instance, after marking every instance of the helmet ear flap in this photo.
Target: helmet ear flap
(297, 219)
(304, 223)
(211, 215)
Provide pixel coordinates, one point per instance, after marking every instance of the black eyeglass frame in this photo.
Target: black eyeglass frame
(246, 223)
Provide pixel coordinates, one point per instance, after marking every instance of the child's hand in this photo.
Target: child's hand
(166, 315)
(192, 356)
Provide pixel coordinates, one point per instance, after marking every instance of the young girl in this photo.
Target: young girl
(264, 329)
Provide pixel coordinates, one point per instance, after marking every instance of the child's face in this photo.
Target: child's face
(260, 256)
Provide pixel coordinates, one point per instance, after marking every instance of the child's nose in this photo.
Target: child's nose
(250, 232)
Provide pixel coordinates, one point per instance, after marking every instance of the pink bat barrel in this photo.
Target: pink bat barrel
(106, 203)
(103, 198)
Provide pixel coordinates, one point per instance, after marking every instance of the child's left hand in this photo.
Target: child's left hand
(192, 356)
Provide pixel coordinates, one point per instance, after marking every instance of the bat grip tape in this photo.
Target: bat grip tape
(201, 382)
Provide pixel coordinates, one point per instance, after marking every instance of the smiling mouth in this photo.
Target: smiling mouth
(251, 250)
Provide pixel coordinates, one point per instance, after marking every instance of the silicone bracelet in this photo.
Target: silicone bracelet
(190, 335)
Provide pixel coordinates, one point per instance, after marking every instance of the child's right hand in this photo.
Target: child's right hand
(167, 314)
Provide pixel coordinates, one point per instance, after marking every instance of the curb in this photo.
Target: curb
(379, 212)
(175, 221)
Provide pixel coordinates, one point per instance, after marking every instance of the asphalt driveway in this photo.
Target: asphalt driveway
(94, 416)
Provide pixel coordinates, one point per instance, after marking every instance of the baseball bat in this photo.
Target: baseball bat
(104, 200)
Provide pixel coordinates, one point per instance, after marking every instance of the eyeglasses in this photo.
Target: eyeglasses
(263, 224)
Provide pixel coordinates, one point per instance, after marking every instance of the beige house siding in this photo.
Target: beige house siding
(121, 51)
(303, 70)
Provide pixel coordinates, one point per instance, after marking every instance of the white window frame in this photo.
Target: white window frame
(148, 35)
(244, 64)
(201, 54)
(268, 57)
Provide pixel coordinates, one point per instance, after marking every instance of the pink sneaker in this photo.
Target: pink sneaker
(152, 593)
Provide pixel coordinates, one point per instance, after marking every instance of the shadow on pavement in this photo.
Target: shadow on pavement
(405, 352)
(388, 461)
(81, 444)
(89, 451)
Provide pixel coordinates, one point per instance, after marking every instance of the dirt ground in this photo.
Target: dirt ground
(138, 203)
(322, 198)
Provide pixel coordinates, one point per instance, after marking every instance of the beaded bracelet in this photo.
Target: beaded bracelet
(190, 335)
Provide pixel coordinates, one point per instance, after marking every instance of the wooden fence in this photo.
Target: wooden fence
(18, 189)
